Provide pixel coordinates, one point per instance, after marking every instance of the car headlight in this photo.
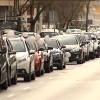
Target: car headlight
(74, 50)
(57, 55)
(24, 58)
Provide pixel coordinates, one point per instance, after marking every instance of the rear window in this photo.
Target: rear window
(50, 34)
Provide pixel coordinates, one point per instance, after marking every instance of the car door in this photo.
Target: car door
(11, 58)
(31, 56)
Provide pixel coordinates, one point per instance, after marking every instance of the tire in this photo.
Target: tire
(33, 76)
(42, 72)
(4, 86)
(79, 62)
(28, 78)
(97, 56)
(87, 58)
(92, 55)
(83, 59)
(60, 67)
(47, 68)
(64, 66)
(51, 68)
(9, 79)
(38, 73)
(14, 79)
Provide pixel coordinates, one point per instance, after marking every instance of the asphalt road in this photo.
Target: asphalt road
(76, 82)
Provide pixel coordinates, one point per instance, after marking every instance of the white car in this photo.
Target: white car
(49, 32)
(25, 58)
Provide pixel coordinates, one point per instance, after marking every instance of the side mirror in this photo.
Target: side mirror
(82, 44)
(98, 38)
(50, 48)
(32, 51)
(86, 42)
(3, 50)
(41, 49)
(12, 52)
(93, 38)
(63, 46)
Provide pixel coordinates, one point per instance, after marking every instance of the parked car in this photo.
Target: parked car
(58, 53)
(11, 62)
(48, 56)
(39, 58)
(3, 65)
(49, 32)
(84, 45)
(73, 47)
(25, 58)
(96, 46)
(90, 44)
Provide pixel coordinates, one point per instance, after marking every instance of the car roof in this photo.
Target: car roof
(49, 30)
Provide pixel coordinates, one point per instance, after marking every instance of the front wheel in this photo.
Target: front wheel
(60, 66)
(33, 76)
(4, 86)
(28, 78)
(47, 67)
(14, 79)
(38, 73)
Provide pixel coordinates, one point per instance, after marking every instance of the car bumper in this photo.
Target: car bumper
(75, 56)
(23, 66)
(21, 73)
(57, 62)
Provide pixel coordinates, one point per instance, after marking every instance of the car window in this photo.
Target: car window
(9, 46)
(32, 46)
(50, 34)
(28, 46)
(18, 45)
(53, 43)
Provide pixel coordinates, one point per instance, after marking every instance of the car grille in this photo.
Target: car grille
(67, 50)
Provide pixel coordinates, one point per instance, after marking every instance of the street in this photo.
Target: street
(76, 82)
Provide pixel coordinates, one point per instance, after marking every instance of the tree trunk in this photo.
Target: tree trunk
(67, 24)
(19, 24)
(87, 15)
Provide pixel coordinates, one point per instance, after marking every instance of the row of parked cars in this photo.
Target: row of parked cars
(29, 55)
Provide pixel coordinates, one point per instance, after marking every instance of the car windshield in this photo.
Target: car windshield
(32, 46)
(68, 41)
(52, 43)
(18, 45)
(88, 36)
(42, 46)
(50, 34)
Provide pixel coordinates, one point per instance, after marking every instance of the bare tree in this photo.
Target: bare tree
(41, 6)
(68, 10)
(21, 6)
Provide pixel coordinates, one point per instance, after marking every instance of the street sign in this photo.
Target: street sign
(23, 21)
(43, 14)
(53, 16)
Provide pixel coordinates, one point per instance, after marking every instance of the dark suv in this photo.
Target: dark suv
(3, 66)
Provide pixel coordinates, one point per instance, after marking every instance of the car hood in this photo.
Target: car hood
(55, 50)
(21, 55)
(71, 46)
